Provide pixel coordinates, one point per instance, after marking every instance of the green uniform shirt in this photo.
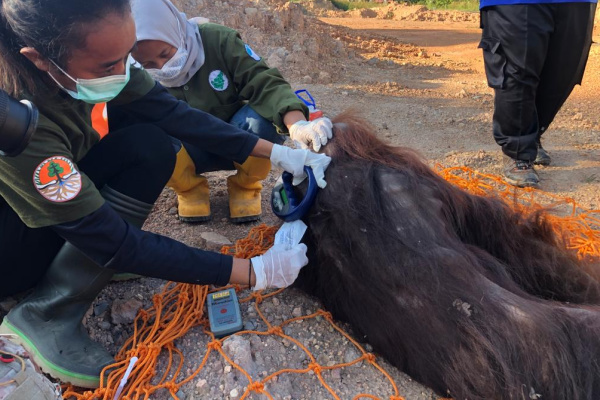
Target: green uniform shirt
(233, 75)
(43, 184)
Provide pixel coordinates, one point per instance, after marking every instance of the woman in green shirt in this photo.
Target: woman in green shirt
(73, 202)
(212, 69)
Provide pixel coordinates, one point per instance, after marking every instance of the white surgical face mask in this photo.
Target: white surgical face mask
(172, 68)
(98, 90)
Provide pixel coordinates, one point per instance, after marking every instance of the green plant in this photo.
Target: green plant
(461, 5)
(433, 4)
(353, 5)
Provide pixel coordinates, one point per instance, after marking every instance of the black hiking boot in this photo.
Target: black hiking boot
(520, 173)
(542, 158)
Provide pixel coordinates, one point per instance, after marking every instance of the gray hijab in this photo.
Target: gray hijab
(160, 20)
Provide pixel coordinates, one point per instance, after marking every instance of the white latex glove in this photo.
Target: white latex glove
(199, 20)
(279, 266)
(294, 160)
(314, 132)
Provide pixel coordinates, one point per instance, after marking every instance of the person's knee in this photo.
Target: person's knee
(251, 121)
(155, 150)
(265, 129)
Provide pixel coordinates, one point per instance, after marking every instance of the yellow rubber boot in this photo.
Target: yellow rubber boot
(244, 189)
(192, 190)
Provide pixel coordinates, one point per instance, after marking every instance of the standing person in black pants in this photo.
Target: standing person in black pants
(534, 55)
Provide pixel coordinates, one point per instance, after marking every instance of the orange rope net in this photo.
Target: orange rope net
(181, 306)
(580, 228)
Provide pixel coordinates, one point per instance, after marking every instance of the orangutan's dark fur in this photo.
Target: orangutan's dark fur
(459, 291)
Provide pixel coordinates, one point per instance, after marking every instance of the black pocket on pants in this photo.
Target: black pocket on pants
(495, 62)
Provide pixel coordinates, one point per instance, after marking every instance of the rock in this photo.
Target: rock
(100, 308)
(124, 311)
(297, 58)
(238, 349)
(201, 383)
(274, 61)
(373, 61)
(105, 325)
(336, 374)
(249, 326)
(577, 117)
(214, 241)
(339, 49)
(250, 10)
(173, 211)
(384, 126)
(234, 393)
(280, 52)
(307, 79)
(324, 77)
(312, 47)
(297, 312)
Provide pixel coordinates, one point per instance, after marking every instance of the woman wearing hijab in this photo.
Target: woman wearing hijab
(212, 69)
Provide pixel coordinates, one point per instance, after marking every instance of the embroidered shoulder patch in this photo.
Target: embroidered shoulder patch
(57, 179)
(251, 53)
(218, 80)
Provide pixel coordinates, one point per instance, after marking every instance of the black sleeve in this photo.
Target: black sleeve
(114, 243)
(185, 123)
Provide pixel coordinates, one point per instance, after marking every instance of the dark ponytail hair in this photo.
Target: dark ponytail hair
(52, 27)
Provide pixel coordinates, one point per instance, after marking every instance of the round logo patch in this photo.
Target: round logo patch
(218, 80)
(57, 179)
(251, 53)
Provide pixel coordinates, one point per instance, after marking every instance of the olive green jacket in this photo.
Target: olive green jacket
(233, 75)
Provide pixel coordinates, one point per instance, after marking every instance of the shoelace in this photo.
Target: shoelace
(522, 165)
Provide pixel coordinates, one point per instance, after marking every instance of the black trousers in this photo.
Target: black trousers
(534, 55)
(136, 161)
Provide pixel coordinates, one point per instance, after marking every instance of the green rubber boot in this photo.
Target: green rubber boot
(133, 211)
(48, 322)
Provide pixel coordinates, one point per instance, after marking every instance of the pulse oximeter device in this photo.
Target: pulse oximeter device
(286, 202)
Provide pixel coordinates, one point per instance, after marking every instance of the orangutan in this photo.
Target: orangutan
(459, 291)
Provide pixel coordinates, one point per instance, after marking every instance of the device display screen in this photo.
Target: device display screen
(284, 198)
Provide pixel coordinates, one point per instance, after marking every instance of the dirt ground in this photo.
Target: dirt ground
(437, 101)
(418, 77)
